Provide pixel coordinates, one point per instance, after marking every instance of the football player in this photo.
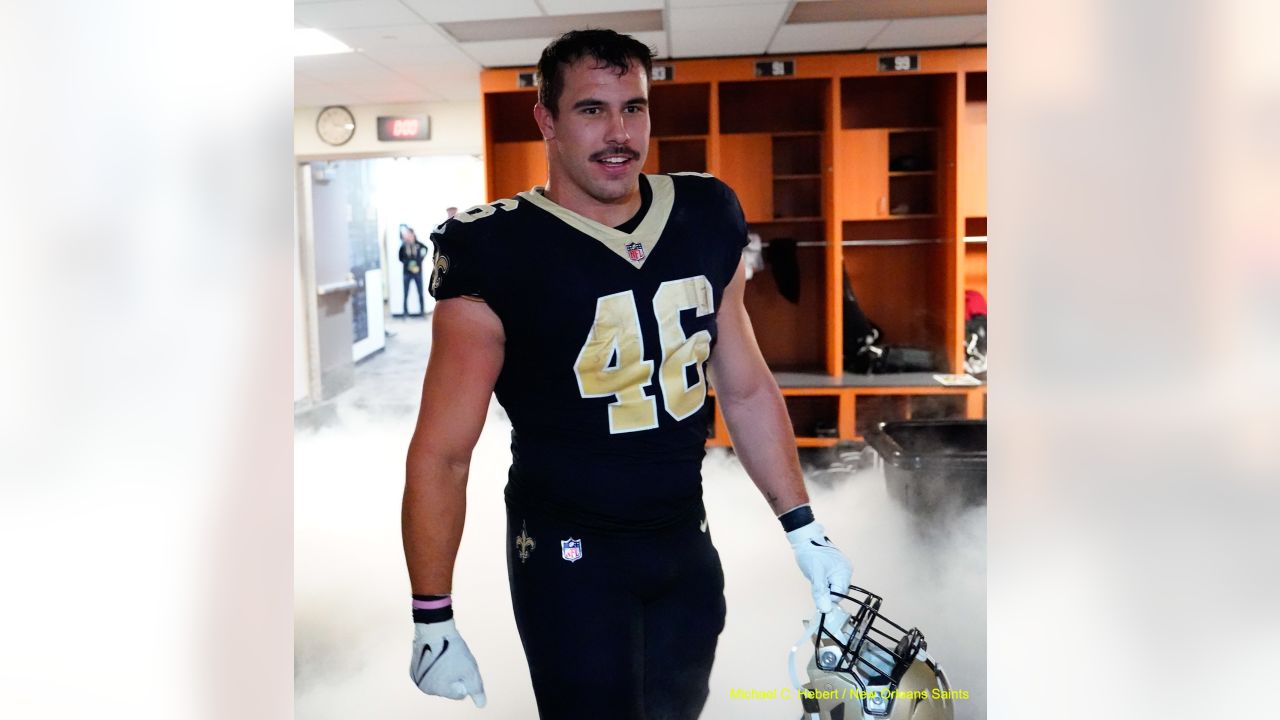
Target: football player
(592, 307)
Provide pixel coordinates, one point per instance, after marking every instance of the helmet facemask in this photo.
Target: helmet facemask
(864, 665)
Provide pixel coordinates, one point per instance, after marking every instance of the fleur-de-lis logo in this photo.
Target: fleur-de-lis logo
(524, 543)
(441, 267)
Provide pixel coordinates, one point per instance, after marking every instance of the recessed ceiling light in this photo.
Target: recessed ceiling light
(309, 41)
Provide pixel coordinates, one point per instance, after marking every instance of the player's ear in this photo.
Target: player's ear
(546, 123)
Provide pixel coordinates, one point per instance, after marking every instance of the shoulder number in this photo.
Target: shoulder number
(480, 211)
(611, 362)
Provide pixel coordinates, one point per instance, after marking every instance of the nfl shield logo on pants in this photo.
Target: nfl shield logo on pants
(635, 251)
(571, 550)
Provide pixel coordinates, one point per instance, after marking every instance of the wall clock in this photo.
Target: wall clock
(335, 125)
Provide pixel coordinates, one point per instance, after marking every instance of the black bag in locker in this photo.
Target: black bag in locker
(781, 259)
(860, 334)
(864, 349)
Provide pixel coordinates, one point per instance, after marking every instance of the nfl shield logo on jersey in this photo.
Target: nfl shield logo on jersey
(571, 550)
(635, 251)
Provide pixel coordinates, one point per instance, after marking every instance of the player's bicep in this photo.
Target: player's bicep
(737, 367)
(467, 349)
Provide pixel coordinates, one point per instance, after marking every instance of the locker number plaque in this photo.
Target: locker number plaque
(899, 63)
(775, 68)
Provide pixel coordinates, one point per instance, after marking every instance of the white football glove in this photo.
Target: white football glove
(442, 663)
(822, 563)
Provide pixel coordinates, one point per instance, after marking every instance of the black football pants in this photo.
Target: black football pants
(628, 630)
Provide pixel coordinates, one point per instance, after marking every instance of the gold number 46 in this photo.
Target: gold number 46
(612, 364)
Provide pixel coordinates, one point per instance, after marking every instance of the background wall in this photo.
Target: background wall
(417, 196)
(455, 128)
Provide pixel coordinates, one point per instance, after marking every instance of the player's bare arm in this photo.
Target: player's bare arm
(753, 407)
(765, 443)
(466, 357)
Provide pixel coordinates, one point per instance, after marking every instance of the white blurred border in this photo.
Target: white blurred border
(1134, 279)
(146, 422)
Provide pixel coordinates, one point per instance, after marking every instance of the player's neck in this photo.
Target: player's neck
(610, 214)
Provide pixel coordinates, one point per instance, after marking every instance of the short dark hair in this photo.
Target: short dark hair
(608, 48)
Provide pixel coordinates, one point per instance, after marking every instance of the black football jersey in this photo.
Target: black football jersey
(607, 335)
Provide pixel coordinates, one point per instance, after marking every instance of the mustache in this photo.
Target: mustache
(615, 150)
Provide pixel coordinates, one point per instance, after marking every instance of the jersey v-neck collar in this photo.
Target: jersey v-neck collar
(646, 201)
(645, 236)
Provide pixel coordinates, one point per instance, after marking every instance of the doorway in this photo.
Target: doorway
(352, 280)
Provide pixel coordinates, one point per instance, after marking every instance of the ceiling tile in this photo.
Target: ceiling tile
(451, 84)
(307, 85)
(354, 14)
(852, 10)
(345, 68)
(507, 53)
(717, 3)
(526, 51)
(929, 32)
(319, 66)
(396, 92)
(734, 17)
(443, 55)
(729, 30)
(390, 36)
(552, 25)
(818, 37)
(441, 11)
(571, 7)
(304, 82)
(314, 94)
(446, 71)
(709, 43)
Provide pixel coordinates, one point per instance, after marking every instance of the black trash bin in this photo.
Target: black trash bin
(931, 464)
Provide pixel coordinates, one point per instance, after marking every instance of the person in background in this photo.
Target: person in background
(412, 253)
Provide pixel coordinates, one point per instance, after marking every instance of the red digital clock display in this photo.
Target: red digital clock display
(402, 127)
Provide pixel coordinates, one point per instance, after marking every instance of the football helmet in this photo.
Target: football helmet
(864, 666)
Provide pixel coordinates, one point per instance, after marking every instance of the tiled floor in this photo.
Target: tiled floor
(353, 628)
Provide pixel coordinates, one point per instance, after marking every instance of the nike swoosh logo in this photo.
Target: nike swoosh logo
(703, 525)
(426, 649)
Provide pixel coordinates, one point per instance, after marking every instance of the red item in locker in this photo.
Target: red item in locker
(974, 304)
